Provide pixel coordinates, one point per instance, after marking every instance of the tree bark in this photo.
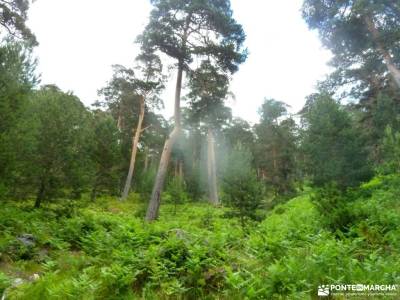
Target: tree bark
(211, 166)
(135, 143)
(393, 70)
(146, 159)
(176, 171)
(40, 194)
(119, 121)
(93, 194)
(155, 200)
(180, 169)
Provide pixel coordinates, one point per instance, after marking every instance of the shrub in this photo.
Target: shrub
(391, 152)
(242, 191)
(333, 204)
(5, 282)
(175, 192)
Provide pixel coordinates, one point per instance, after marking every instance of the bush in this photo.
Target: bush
(391, 152)
(175, 192)
(5, 282)
(333, 204)
(242, 191)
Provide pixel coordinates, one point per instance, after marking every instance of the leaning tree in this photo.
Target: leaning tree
(142, 85)
(185, 30)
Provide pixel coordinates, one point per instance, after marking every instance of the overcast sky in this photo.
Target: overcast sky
(81, 39)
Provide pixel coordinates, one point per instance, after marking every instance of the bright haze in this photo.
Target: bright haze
(81, 39)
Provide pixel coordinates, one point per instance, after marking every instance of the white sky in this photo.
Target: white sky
(81, 39)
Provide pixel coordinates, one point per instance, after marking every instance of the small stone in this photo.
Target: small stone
(34, 277)
(17, 282)
(27, 239)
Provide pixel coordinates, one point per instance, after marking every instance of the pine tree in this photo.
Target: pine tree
(362, 35)
(183, 30)
(17, 80)
(333, 146)
(142, 86)
(56, 149)
(276, 147)
(13, 16)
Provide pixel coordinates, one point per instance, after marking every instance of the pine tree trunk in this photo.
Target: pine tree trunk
(93, 194)
(119, 121)
(41, 193)
(194, 152)
(155, 200)
(393, 70)
(212, 174)
(146, 159)
(176, 170)
(180, 169)
(135, 143)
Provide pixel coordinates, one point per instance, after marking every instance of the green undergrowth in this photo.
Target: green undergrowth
(104, 250)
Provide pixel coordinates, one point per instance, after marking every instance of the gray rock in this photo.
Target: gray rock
(27, 239)
(180, 234)
(17, 282)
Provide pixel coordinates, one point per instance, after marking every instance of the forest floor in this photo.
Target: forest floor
(104, 250)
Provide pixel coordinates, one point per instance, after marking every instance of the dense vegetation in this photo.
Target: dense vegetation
(104, 250)
(116, 202)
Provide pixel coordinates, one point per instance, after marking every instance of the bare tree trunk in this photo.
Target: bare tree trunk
(393, 70)
(176, 172)
(194, 152)
(40, 194)
(146, 159)
(155, 200)
(212, 174)
(135, 143)
(119, 121)
(93, 194)
(180, 169)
